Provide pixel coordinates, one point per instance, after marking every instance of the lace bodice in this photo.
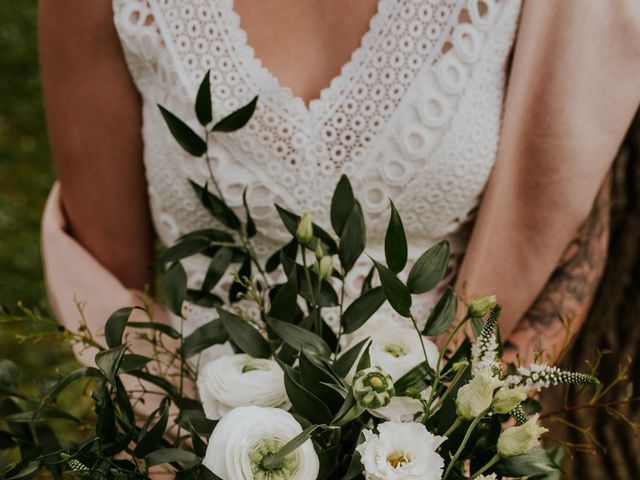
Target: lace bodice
(413, 116)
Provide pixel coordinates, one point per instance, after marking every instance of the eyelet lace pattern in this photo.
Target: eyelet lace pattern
(413, 116)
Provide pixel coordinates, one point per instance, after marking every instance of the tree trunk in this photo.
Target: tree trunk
(613, 325)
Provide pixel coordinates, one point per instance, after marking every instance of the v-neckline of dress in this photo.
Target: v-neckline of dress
(327, 96)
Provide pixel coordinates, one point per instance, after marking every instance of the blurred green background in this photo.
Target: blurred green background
(26, 175)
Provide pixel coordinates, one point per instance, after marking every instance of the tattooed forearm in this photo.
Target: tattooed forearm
(567, 297)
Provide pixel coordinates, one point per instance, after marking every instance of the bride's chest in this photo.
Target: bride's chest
(414, 115)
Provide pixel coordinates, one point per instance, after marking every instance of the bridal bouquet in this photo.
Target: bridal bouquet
(296, 400)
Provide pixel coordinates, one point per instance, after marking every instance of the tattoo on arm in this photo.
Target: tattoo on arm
(570, 289)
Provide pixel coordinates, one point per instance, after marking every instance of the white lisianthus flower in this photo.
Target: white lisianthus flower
(506, 399)
(396, 350)
(401, 451)
(519, 440)
(246, 435)
(476, 396)
(239, 380)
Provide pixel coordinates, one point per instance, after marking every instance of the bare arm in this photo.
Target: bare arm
(94, 119)
(564, 304)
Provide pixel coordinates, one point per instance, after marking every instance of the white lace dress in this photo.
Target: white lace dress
(413, 116)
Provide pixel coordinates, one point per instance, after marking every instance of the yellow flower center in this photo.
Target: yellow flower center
(376, 382)
(397, 459)
(395, 350)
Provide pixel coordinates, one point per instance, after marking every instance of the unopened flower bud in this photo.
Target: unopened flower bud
(519, 440)
(480, 306)
(506, 399)
(459, 365)
(304, 233)
(324, 267)
(412, 392)
(373, 388)
(319, 251)
(475, 397)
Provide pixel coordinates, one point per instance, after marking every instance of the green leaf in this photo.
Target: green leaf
(290, 250)
(343, 365)
(365, 358)
(251, 225)
(533, 463)
(211, 333)
(159, 382)
(114, 328)
(284, 305)
(214, 236)
(442, 315)
(429, 269)
(41, 414)
(203, 299)
(341, 204)
(160, 327)
(175, 288)
(109, 362)
(217, 268)
(187, 138)
(366, 284)
(362, 308)
(237, 289)
(182, 249)
(353, 238)
(277, 458)
(395, 242)
(133, 362)
(169, 455)
(396, 292)
(216, 206)
(151, 439)
(291, 220)
(304, 402)
(238, 119)
(246, 337)
(300, 338)
(64, 382)
(203, 101)
(419, 377)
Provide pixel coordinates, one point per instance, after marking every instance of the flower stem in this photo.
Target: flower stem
(453, 427)
(487, 466)
(437, 378)
(415, 326)
(467, 435)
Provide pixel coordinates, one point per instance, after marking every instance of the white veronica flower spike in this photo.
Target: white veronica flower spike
(240, 380)
(246, 435)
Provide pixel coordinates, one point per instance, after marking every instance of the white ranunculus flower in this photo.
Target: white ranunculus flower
(246, 435)
(239, 380)
(519, 440)
(476, 396)
(401, 451)
(395, 349)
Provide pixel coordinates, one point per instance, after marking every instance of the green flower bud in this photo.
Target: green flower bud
(506, 399)
(324, 267)
(476, 396)
(480, 306)
(319, 251)
(373, 388)
(304, 233)
(519, 440)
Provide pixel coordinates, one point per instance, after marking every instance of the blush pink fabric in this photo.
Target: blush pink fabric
(573, 90)
(574, 87)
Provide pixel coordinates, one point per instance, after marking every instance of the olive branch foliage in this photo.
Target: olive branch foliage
(290, 329)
